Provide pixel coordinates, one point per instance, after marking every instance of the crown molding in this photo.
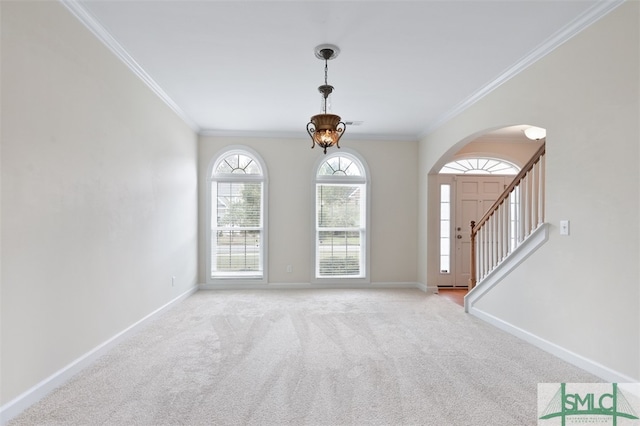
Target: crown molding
(590, 16)
(88, 20)
(593, 14)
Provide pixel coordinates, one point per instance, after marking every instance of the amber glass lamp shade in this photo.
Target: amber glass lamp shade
(326, 130)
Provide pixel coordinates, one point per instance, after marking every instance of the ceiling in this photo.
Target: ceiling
(248, 67)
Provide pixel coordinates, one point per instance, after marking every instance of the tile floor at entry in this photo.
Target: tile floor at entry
(454, 294)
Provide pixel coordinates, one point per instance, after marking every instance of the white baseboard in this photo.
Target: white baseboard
(298, 286)
(429, 289)
(23, 401)
(522, 252)
(593, 367)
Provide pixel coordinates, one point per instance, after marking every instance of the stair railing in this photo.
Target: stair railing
(510, 220)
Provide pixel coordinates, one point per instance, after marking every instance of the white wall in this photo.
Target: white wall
(581, 292)
(290, 164)
(518, 152)
(99, 195)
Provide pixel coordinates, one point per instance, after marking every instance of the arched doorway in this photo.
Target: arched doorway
(468, 188)
(468, 185)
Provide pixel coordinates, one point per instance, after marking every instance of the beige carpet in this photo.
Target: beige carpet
(314, 357)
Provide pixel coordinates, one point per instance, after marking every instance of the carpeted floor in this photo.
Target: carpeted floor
(310, 357)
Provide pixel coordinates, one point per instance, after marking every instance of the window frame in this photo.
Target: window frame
(211, 179)
(457, 166)
(365, 181)
(448, 229)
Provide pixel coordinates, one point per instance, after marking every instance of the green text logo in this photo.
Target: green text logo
(588, 403)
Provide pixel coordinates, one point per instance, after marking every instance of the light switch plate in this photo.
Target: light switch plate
(564, 227)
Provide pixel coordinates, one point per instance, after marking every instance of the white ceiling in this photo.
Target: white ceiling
(241, 67)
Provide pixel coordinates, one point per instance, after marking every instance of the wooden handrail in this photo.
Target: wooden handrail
(516, 180)
(489, 258)
(472, 272)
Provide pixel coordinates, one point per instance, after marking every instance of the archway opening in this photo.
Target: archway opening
(469, 177)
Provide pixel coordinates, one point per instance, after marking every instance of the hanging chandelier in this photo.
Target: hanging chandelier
(326, 129)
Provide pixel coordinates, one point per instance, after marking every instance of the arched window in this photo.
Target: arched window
(341, 217)
(237, 238)
(480, 166)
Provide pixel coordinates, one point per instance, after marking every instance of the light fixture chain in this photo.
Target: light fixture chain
(326, 70)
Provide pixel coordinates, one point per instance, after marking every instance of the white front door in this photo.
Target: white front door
(474, 196)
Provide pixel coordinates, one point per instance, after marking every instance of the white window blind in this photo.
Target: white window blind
(237, 217)
(237, 229)
(340, 218)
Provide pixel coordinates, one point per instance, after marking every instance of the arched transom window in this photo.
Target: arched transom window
(237, 239)
(341, 218)
(480, 166)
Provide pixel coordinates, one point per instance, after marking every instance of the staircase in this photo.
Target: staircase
(509, 231)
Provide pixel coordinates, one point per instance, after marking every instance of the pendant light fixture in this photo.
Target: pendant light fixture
(326, 129)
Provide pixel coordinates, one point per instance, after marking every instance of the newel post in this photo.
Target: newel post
(472, 273)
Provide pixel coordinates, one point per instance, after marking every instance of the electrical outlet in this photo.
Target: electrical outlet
(564, 227)
(289, 269)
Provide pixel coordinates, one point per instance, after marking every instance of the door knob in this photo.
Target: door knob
(459, 237)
